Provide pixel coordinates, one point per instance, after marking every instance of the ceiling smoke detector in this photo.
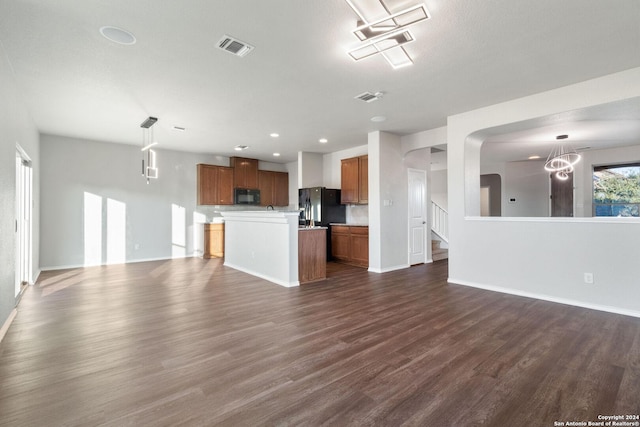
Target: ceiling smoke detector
(369, 97)
(234, 46)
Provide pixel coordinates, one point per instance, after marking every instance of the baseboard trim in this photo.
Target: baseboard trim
(388, 269)
(7, 323)
(544, 297)
(35, 279)
(264, 276)
(68, 267)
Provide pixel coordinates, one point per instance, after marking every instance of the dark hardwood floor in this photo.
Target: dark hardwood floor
(189, 342)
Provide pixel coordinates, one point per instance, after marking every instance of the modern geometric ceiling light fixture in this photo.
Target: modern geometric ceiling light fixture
(387, 35)
(395, 21)
(562, 159)
(150, 170)
(382, 43)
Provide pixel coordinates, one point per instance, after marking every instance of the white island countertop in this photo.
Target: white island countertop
(263, 243)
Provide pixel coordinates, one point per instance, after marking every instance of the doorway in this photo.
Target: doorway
(417, 216)
(24, 203)
(561, 196)
(485, 201)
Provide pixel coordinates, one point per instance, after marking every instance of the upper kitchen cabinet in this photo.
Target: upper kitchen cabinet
(363, 180)
(215, 185)
(354, 175)
(281, 189)
(245, 172)
(274, 188)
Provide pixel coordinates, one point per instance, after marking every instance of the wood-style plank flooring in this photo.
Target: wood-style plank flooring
(189, 342)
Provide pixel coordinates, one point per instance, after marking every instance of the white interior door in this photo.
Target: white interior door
(417, 216)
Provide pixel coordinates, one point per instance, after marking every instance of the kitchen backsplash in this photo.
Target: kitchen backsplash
(357, 214)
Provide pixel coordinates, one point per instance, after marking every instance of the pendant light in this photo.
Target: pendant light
(562, 159)
(150, 170)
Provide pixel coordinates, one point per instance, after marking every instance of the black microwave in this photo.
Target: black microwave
(246, 196)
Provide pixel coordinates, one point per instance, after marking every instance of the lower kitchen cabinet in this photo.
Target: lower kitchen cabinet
(213, 241)
(312, 254)
(350, 244)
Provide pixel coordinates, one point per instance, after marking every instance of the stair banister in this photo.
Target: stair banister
(440, 221)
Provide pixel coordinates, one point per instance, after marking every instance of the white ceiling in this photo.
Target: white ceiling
(299, 80)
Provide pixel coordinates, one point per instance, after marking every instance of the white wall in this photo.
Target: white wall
(388, 223)
(528, 183)
(16, 127)
(439, 188)
(541, 257)
(427, 138)
(112, 172)
(292, 168)
(310, 170)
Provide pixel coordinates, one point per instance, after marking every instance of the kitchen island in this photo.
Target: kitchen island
(312, 254)
(266, 244)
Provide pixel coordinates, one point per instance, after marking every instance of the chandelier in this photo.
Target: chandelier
(562, 159)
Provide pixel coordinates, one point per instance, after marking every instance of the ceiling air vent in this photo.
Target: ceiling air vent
(234, 46)
(369, 97)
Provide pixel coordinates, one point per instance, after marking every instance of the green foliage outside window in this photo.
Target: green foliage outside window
(616, 190)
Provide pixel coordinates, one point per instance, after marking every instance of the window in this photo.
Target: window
(616, 190)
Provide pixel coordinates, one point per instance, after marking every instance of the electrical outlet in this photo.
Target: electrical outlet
(588, 278)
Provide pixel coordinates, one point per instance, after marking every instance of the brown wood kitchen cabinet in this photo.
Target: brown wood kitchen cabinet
(350, 244)
(363, 180)
(215, 185)
(245, 172)
(274, 188)
(266, 186)
(213, 240)
(312, 255)
(354, 177)
(281, 189)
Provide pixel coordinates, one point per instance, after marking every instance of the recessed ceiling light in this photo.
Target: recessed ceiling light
(378, 119)
(240, 147)
(274, 135)
(118, 35)
(323, 140)
(276, 154)
(534, 157)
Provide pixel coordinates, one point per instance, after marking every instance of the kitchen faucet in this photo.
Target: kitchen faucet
(270, 207)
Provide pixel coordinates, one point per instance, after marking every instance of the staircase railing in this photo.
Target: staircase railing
(440, 221)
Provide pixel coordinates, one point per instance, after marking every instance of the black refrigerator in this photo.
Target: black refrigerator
(322, 205)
